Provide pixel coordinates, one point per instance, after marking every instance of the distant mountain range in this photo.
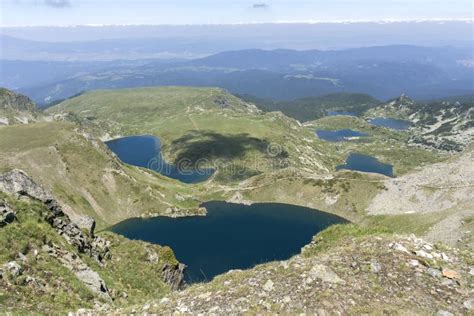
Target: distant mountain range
(383, 72)
(109, 42)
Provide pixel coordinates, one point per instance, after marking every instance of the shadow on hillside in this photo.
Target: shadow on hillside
(209, 145)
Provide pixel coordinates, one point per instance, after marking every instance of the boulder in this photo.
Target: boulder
(17, 182)
(13, 268)
(7, 215)
(87, 223)
(325, 274)
(173, 275)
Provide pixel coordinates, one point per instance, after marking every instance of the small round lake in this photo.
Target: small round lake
(340, 135)
(145, 151)
(400, 125)
(365, 163)
(231, 236)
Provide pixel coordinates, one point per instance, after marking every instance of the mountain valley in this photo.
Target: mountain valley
(258, 156)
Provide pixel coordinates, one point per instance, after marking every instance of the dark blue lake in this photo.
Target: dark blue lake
(339, 113)
(231, 236)
(400, 125)
(145, 151)
(366, 163)
(338, 135)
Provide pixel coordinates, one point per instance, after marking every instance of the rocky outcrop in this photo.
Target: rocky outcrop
(86, 223)
(7, 215)
(443, 125)
(80, 234)
(173, 275)
(10, 100)
(176, 212)
(82, 271)
(17, 109)
(389, 274)
(19, 184)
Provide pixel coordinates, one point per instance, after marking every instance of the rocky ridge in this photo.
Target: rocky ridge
(80, 235)
(18, 183)
(443, 125)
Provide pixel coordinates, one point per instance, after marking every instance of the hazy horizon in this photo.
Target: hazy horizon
(211, 12)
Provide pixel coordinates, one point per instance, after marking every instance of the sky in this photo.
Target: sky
(159, 12)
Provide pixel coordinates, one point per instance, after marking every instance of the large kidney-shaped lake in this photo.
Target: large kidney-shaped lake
(231, 236)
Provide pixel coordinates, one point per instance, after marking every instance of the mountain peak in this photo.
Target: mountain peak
(404, 99)
(10, 100)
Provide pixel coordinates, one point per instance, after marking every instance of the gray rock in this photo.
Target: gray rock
(375, 267)
(82, 271)
(13, 268)
(444, 313)
(435, 273)
(325, 274)
(424, 254)
(7, 215)
(173, 275)
(87, 223)
(268, 286)
(18, 183)
(399, 247)
(469, 304)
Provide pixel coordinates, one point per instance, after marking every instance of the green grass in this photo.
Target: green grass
(336, 234)
(25, 236)
(417, 224)
(192, 123)
(83, 176)
(198, 123)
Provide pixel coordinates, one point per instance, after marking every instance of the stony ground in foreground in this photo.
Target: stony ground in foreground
(353, 273)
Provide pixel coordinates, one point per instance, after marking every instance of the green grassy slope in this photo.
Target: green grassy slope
(209, 123)
(84, 176)
(203, 123)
